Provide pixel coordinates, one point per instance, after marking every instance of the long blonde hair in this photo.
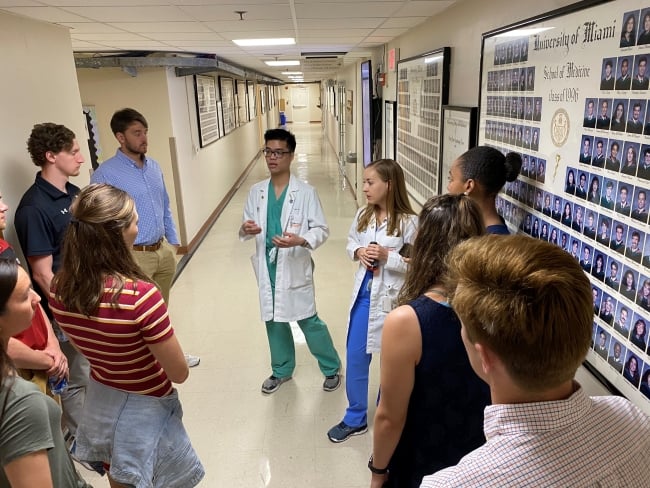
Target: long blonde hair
(397, 200)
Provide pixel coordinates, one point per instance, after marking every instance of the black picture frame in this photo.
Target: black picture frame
(422, 91)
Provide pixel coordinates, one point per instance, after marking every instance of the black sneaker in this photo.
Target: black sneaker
(342, 432)
(272, 383)
(332, 382)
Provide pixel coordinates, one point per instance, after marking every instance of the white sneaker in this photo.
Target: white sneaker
(192, 360)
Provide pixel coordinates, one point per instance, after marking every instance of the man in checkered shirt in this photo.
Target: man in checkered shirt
(526, 309)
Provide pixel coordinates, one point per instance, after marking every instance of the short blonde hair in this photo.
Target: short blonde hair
(526, 300)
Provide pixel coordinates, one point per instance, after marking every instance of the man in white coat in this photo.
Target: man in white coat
(285, 216)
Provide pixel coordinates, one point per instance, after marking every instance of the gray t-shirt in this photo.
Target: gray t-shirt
(31, 422)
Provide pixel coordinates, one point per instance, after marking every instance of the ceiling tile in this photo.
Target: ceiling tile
(422, 8)
(227, 12)
(48, 14)
(346, 10)
(89, 27)
(146, 27)
(109, 37)
(159, 13)
(187, 36)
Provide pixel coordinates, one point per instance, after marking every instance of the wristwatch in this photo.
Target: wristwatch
(376, 470)
(305, 244)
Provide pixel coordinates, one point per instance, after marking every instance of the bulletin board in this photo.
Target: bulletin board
(250, 88)
(422, 90)
(569, 91)
(458, 135)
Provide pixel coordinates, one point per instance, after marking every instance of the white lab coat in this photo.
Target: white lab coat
(303, 215)
(388, 279)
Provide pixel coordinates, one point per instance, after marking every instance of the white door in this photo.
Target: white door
(299, 104)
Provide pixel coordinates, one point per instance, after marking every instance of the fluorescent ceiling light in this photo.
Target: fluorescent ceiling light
(524, 32)
(292, 73)
(283, 63)
(280, 41)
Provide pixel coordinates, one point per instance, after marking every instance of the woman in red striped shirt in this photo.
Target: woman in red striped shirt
(116, 317)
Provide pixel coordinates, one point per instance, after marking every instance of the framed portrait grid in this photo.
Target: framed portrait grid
(568, 91)
(206, 109)
(422, 90)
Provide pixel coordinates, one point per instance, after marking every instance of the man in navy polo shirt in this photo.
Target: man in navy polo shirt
(140, 176)
(41, 219)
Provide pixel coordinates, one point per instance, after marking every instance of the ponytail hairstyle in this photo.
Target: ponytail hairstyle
(489, 168)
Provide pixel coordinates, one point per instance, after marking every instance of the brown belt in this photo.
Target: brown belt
(152, 247)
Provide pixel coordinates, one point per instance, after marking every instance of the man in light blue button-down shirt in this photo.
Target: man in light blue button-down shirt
(140, 176)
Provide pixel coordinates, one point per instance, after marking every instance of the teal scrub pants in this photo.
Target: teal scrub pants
(283, 352)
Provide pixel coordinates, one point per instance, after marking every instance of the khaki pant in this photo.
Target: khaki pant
(159, 265)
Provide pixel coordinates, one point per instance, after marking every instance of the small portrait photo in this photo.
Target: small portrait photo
(521, 80)
(591, 220)
(537, 109)
(608, 195)
(536, 227)
(607, 76)
(546, 207)
(623, 205)
(570, 181)
(618, 115)
(507, 188)
(604, 117)
(632, 369)
(578, 218)
(604, 230)
(590, 113)
(544, 230)
(644, 27)
(502, 80)
(644, 163)
(599, 154)
(636, 116)
(635, 242)
(534, 142)
(607, 308)
(640, 204)
(629, 283)
(567, 213)
(541, 167)
(539, 200)
(553, 235)
(612, 273)
(598, 266)
(528, 112)
(564, 240)
(616, 354)
(575, 248)
(622, 319)
(586, 257)
(520, 136)
(594, 189)
(530, 198)
(508, 53)
(639, 332)
(514, 79)
(530, 78)
(601, 342)
(624, 78)
(597, 293)
(613, 160)
(524, 165)
(585, 149)
(643, 293)
(521, 101)
(645, 381)
(646, 254)
(619, 233)
(630, 158)
(524, 49)
(581, 185)
(515, 52)
(527, 224)
(629, 29)
(640, 76)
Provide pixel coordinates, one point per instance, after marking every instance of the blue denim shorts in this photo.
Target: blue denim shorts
(141, 437)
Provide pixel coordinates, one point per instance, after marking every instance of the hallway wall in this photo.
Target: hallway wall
(39, 84)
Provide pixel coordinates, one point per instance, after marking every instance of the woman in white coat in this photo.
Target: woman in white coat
(378, 234)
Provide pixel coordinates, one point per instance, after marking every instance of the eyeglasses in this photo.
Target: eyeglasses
(275, 153)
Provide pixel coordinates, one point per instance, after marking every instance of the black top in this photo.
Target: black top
(42, 218)
(444, 421)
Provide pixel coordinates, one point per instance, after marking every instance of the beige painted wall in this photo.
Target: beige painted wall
(39, 85)
(205, 174)
(461, 27)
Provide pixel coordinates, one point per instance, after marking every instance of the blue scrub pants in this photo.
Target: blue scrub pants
(357, 359)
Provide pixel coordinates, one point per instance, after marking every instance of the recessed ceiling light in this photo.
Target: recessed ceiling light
(283, 63)
(292, 72)
(280, 41)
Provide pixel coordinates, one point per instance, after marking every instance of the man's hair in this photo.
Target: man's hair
(526, 300)
(48, 137)
(615, 144)
(608, 63)
(122, 119)
(643, 59)
(281, 135)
